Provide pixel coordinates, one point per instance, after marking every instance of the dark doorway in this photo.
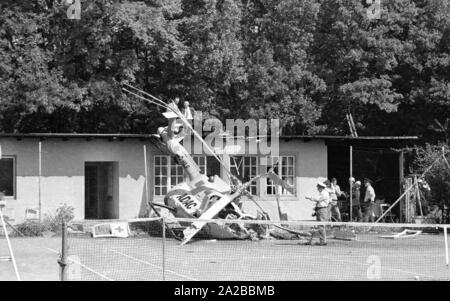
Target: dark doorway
(101, 190)
(381, 165)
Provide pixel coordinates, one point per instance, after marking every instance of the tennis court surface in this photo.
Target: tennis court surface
(147, 257)
(372, 255)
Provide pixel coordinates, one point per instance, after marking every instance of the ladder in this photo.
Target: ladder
(10, 257)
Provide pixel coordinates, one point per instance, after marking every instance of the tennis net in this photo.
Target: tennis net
(263, 250)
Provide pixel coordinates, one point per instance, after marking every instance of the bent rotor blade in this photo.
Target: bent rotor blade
(185, 122)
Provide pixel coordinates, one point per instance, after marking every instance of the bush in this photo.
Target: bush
(63, 213)
(32, 228)
(438, 177)
(50, 223)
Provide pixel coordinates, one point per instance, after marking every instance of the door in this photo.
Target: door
(91, 191)
(101, 179)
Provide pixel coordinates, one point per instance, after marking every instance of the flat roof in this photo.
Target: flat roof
(350, 138)
(152, 136)
(75, 135)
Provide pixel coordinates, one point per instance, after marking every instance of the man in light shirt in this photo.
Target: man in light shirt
(335, 193)
(187, 112)
(321, 208)
(369, 201)
(173, 105)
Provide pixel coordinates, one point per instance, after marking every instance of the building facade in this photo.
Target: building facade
(115, 176)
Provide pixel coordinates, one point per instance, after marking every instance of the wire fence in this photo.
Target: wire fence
(260, 251)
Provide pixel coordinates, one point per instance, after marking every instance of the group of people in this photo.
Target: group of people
(326, 203)
(363, 208)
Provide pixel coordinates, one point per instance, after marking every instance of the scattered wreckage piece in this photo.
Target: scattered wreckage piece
(404, 234)
(116, 229)
(199, 197)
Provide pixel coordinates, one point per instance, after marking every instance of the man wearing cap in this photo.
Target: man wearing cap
(369, 201)
(335, 193)
(356, 198)
(321, 209)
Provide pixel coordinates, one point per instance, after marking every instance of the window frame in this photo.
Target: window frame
(169, 175)
(282, 193)
(242, 166)
(14, 158)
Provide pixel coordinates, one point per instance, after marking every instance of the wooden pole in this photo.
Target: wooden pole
(64, 248)
(39, 181)
(351, 183)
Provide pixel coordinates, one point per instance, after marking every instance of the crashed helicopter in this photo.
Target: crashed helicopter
(198, 197)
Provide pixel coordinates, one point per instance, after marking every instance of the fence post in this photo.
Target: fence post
(163, 249)
(64, 248)
(446, 247)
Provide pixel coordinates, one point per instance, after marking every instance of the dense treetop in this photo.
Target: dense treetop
(306, 62)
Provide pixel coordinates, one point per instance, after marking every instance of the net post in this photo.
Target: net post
(446, 247)
(12, 258)
(351, 184)
(64, 248)
(163, 248)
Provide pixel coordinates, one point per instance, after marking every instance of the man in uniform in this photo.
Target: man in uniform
(321, 210)
(369, 201)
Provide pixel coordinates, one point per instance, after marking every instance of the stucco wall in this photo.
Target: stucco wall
(62, 178)
(63, 165)
(311, 164)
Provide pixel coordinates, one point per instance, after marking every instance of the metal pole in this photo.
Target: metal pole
(351, 183)
(39, 181)
(13, 259)
(146, 173)
(446, 247)
(164, 249)
(64, 248)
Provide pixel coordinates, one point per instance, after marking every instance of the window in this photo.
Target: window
(169, 174)
(161, 174)
(7, 176)
(201, 162)
(284, 167)
(245, 168)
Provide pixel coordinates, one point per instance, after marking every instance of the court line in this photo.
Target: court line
(382, 267)
(153, 265)
(87, 268)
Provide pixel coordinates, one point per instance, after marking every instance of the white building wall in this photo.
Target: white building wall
(63, 165)
(62, 178)
(311, 165)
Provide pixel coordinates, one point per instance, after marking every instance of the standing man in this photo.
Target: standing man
(369, 201)
(356, 201)
(173, 105)
(187, 112)
(335, 193)
(321, 209)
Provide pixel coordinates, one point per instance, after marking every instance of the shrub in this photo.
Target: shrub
(439, 175)
(32, 228)
(50, 222)
(63, 213)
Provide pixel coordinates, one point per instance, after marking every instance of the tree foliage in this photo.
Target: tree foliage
(308, 63)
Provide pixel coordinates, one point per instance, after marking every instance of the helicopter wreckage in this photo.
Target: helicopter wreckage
(200, 197)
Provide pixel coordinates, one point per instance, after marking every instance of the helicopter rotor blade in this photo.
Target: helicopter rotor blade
(185, 122)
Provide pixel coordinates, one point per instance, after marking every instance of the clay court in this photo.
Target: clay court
(419, 258)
